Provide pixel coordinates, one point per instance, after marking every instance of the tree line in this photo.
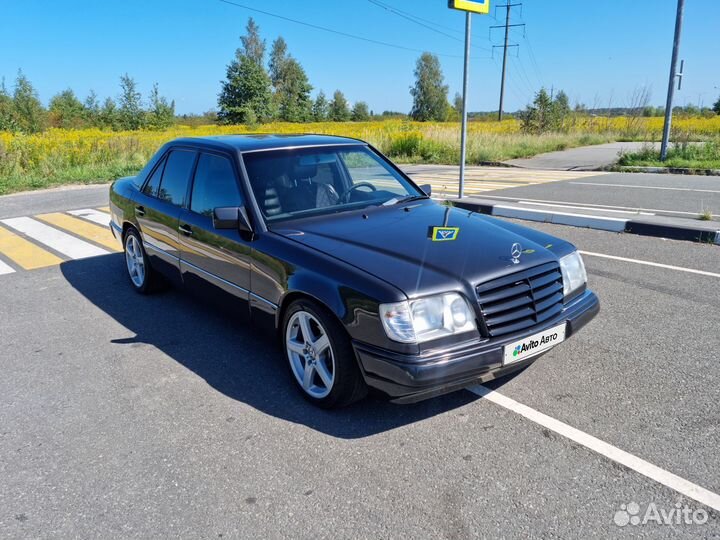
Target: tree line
(22, 110)
(255, 93)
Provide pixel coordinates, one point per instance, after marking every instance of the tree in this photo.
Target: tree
(716, 106)
(278, 57)
(338, 108)
(108, 117)
(161, 114)
(30, 116)
(429, 93)
(91, 109)
(245, 96)
(545, 114)
(7, 110)
(360, 112)
(320, 108)
(253, 46)
(130, 112)
(66, 111)
(457, 106)
(293, 93)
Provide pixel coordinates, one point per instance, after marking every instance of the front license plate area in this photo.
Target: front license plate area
(525, 348)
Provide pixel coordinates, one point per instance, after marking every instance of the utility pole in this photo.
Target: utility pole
(671, 82)
(507, 26)
(463, 133)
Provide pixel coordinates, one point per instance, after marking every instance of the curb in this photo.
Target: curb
(665, 170)
(632, 226)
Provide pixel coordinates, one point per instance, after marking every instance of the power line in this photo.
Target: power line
(419, 21)
(330, 30)
(535, 65)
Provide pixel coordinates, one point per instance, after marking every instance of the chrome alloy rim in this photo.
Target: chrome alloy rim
(310, 354)
(135, 260)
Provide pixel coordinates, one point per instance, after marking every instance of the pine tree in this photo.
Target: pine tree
(130, 112)
(245, 96)
(161, 114)
(320, 107)
(338, 108)
(429, 94)
(716, 106)
(91, 108)
(109, 115)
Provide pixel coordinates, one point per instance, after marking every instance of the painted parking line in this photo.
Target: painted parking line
(650, 263)
(24, 253)
(5, 268)
(54, 238)
(101, 218)
(91, 231)
(613, 453)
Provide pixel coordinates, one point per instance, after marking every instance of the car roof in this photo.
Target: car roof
(248, 143)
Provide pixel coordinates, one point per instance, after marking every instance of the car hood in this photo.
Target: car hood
(395, 244)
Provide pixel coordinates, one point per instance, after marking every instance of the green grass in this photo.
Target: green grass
(685, 156)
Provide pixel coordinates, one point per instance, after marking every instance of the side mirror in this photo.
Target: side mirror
(427, 189)
(231, 217)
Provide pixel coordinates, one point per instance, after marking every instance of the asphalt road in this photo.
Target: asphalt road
(584, 158)
(672, 194)
(131, 416)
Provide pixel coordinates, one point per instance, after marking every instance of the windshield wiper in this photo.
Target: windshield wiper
(409, 198)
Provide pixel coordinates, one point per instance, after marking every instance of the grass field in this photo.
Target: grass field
(58, 157)
(685, 156)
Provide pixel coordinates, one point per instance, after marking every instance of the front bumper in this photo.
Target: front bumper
(409, 378)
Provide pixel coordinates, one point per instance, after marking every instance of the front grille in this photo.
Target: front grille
(521, 300)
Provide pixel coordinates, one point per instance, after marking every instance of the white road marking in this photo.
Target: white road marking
(599, 206)
(5, 269)
(648, 263)
(53, 238)
(633, 212)
(644, 187)
(101, 218)
(666, 478)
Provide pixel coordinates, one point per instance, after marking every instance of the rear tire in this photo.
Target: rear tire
(142, 276)
(320, 356)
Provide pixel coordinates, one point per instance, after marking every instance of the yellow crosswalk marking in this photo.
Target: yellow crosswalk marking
(25, 253)
(104, 209)
(90, 231)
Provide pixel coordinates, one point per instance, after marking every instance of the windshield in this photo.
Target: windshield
(294, 183)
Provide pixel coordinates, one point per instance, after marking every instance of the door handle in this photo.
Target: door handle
(140, 210)
(185, 229)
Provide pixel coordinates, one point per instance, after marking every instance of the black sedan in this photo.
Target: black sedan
(365, 279)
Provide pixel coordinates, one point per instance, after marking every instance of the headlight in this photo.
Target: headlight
(416, 321)
(573, 273)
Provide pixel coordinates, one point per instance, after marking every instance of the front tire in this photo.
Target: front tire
(142, 276)
(320, 356)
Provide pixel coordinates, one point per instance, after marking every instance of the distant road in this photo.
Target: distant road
(584, 158)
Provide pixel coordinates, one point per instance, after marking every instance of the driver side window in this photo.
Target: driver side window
(363, 168)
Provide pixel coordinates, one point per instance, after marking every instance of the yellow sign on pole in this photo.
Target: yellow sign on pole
(475, 6)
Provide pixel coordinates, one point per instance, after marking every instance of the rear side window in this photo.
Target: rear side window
(176, 176)
(215, 185)
(151, 186)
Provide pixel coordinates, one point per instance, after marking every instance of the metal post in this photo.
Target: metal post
(671, 83)
(463, 134)
(505, 48)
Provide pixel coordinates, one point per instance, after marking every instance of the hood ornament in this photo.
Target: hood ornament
(515, 252)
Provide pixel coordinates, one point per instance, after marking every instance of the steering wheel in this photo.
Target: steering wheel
(345, 197)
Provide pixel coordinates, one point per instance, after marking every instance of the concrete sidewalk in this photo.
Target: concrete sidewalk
(584, 158)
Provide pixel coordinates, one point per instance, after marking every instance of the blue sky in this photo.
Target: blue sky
(598, 52)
